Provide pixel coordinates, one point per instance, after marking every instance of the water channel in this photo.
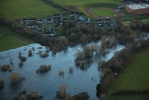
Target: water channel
(48, 83)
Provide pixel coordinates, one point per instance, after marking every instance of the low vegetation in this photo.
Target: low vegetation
(10, 39)
(61, 73)
(70, 69)
(20, 64)
(28, 9)
(134, 79)
(22, 58)
(115, 67)
(16, 77)
(34, 96)
(5, 67)
(44, 55)
(30, 53)
(62, 94)
(44, 68)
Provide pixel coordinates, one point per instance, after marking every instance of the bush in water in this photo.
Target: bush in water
(16, 77)
(5, 67)
(34, 96)
(70, 69)
(1, 82)
(30, 53)
(19, 97)
(44, 68)
(20, 64)
(9, 69)
(22, 58)
(63, 93)
(61, 73)
(44, 55)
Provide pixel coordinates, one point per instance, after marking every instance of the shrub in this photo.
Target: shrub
(19, 97)
(49, 67)
(34, 96)
(61, 73)
(33, 48)
(44, 55)
(30, 53)
(70, 69)
(98, 87)
(1, 82)
(22, 58)
(103, 97)
(5, 67)
(54, 49)
(16, 77)
(20, 64)
(9, 69)
(24, 91)
(44, 68)
(63, 93)
(19, 53)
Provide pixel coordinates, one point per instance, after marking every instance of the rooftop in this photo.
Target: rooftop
(138, 6)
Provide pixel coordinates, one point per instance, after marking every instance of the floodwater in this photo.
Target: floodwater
(48, 83)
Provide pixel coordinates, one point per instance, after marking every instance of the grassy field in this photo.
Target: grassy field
(84, 4)
(134, 76)
(103, 12)
(17, 9)
(10, 40)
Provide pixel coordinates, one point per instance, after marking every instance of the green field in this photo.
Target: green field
(102, 12)
(135, 76)
(85, 4)
(10, 40)
(17, 9)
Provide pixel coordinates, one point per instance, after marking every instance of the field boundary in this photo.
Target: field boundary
(118, 14)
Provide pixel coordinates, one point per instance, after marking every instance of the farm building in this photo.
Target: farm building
(137, 9)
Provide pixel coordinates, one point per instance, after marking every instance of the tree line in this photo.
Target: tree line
(63, 7)
(117, 63)
(75, 33)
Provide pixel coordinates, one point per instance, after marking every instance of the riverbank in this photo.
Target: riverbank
(134, 77)
(11, 40)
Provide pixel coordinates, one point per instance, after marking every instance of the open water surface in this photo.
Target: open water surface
(48, 83)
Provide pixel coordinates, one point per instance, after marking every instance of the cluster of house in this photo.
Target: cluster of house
(48, 26)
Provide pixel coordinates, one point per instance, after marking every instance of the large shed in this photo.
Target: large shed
(137, 9)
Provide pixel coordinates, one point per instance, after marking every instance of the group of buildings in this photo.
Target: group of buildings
(48, 26)
(137, 9)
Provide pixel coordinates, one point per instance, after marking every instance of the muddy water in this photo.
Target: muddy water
(48, 83)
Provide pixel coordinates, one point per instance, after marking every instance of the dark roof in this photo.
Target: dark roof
(24, 19)
(33, 19)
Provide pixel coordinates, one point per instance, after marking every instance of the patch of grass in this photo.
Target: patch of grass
(129, 97)
(10, 40)
(134, 77)
(17, 9)
(102, 12)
